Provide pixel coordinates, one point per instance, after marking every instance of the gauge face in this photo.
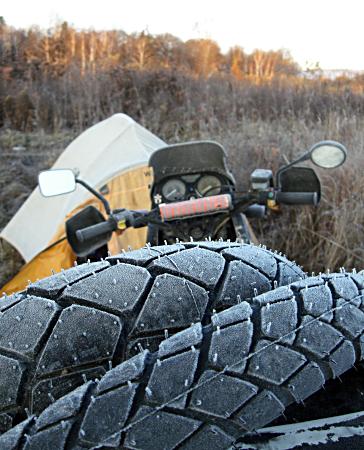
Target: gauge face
(174, 190)
(209, 185)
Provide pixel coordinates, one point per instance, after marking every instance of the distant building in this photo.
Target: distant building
(330, 73)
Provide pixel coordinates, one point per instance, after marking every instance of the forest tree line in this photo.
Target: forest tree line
(65, 77)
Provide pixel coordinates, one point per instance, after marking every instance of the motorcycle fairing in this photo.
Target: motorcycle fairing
(188, 158)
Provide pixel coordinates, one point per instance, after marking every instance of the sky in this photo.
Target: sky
(330, 32)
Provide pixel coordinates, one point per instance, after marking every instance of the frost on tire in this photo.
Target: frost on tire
(72, 327)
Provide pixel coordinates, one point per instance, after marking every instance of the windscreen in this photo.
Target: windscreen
(190, 157)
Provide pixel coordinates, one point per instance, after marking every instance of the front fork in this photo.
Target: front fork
(243, 229)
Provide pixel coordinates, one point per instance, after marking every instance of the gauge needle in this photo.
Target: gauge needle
(171, 193)
(207, 189)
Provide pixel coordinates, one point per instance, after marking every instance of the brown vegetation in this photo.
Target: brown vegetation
(259, 106)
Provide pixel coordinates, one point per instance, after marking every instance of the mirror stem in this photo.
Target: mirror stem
(304, 157)
(96, 194)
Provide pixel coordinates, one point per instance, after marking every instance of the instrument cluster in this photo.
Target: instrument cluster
(188, 187)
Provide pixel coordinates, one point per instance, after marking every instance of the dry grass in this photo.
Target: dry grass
(329, 236)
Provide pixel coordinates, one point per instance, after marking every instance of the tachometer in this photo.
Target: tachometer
(174, 190)
(209, 185)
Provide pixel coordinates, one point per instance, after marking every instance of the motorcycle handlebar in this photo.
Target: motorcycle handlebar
(95, 230)
(206, 205)
(297, 198)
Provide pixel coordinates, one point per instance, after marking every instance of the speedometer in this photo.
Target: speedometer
(174, 190)
(209, 185)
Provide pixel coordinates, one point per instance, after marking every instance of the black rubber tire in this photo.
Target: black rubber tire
(207, 386)
(75, 325)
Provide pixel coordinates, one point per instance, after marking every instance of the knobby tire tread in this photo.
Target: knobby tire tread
(193, 394)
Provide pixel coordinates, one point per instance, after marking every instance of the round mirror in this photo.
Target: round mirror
(56, 182)
(328, 154)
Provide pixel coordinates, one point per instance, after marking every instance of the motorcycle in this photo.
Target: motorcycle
(194, 197)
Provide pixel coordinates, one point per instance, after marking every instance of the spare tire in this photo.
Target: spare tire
(207, 386)
(74, 325)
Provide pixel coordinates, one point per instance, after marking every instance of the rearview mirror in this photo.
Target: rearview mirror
(328, 154)
(56, 182)
(325, 154)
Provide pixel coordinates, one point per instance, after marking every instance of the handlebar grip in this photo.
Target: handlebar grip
(297, 198)
(93, 231)
(197, 207)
